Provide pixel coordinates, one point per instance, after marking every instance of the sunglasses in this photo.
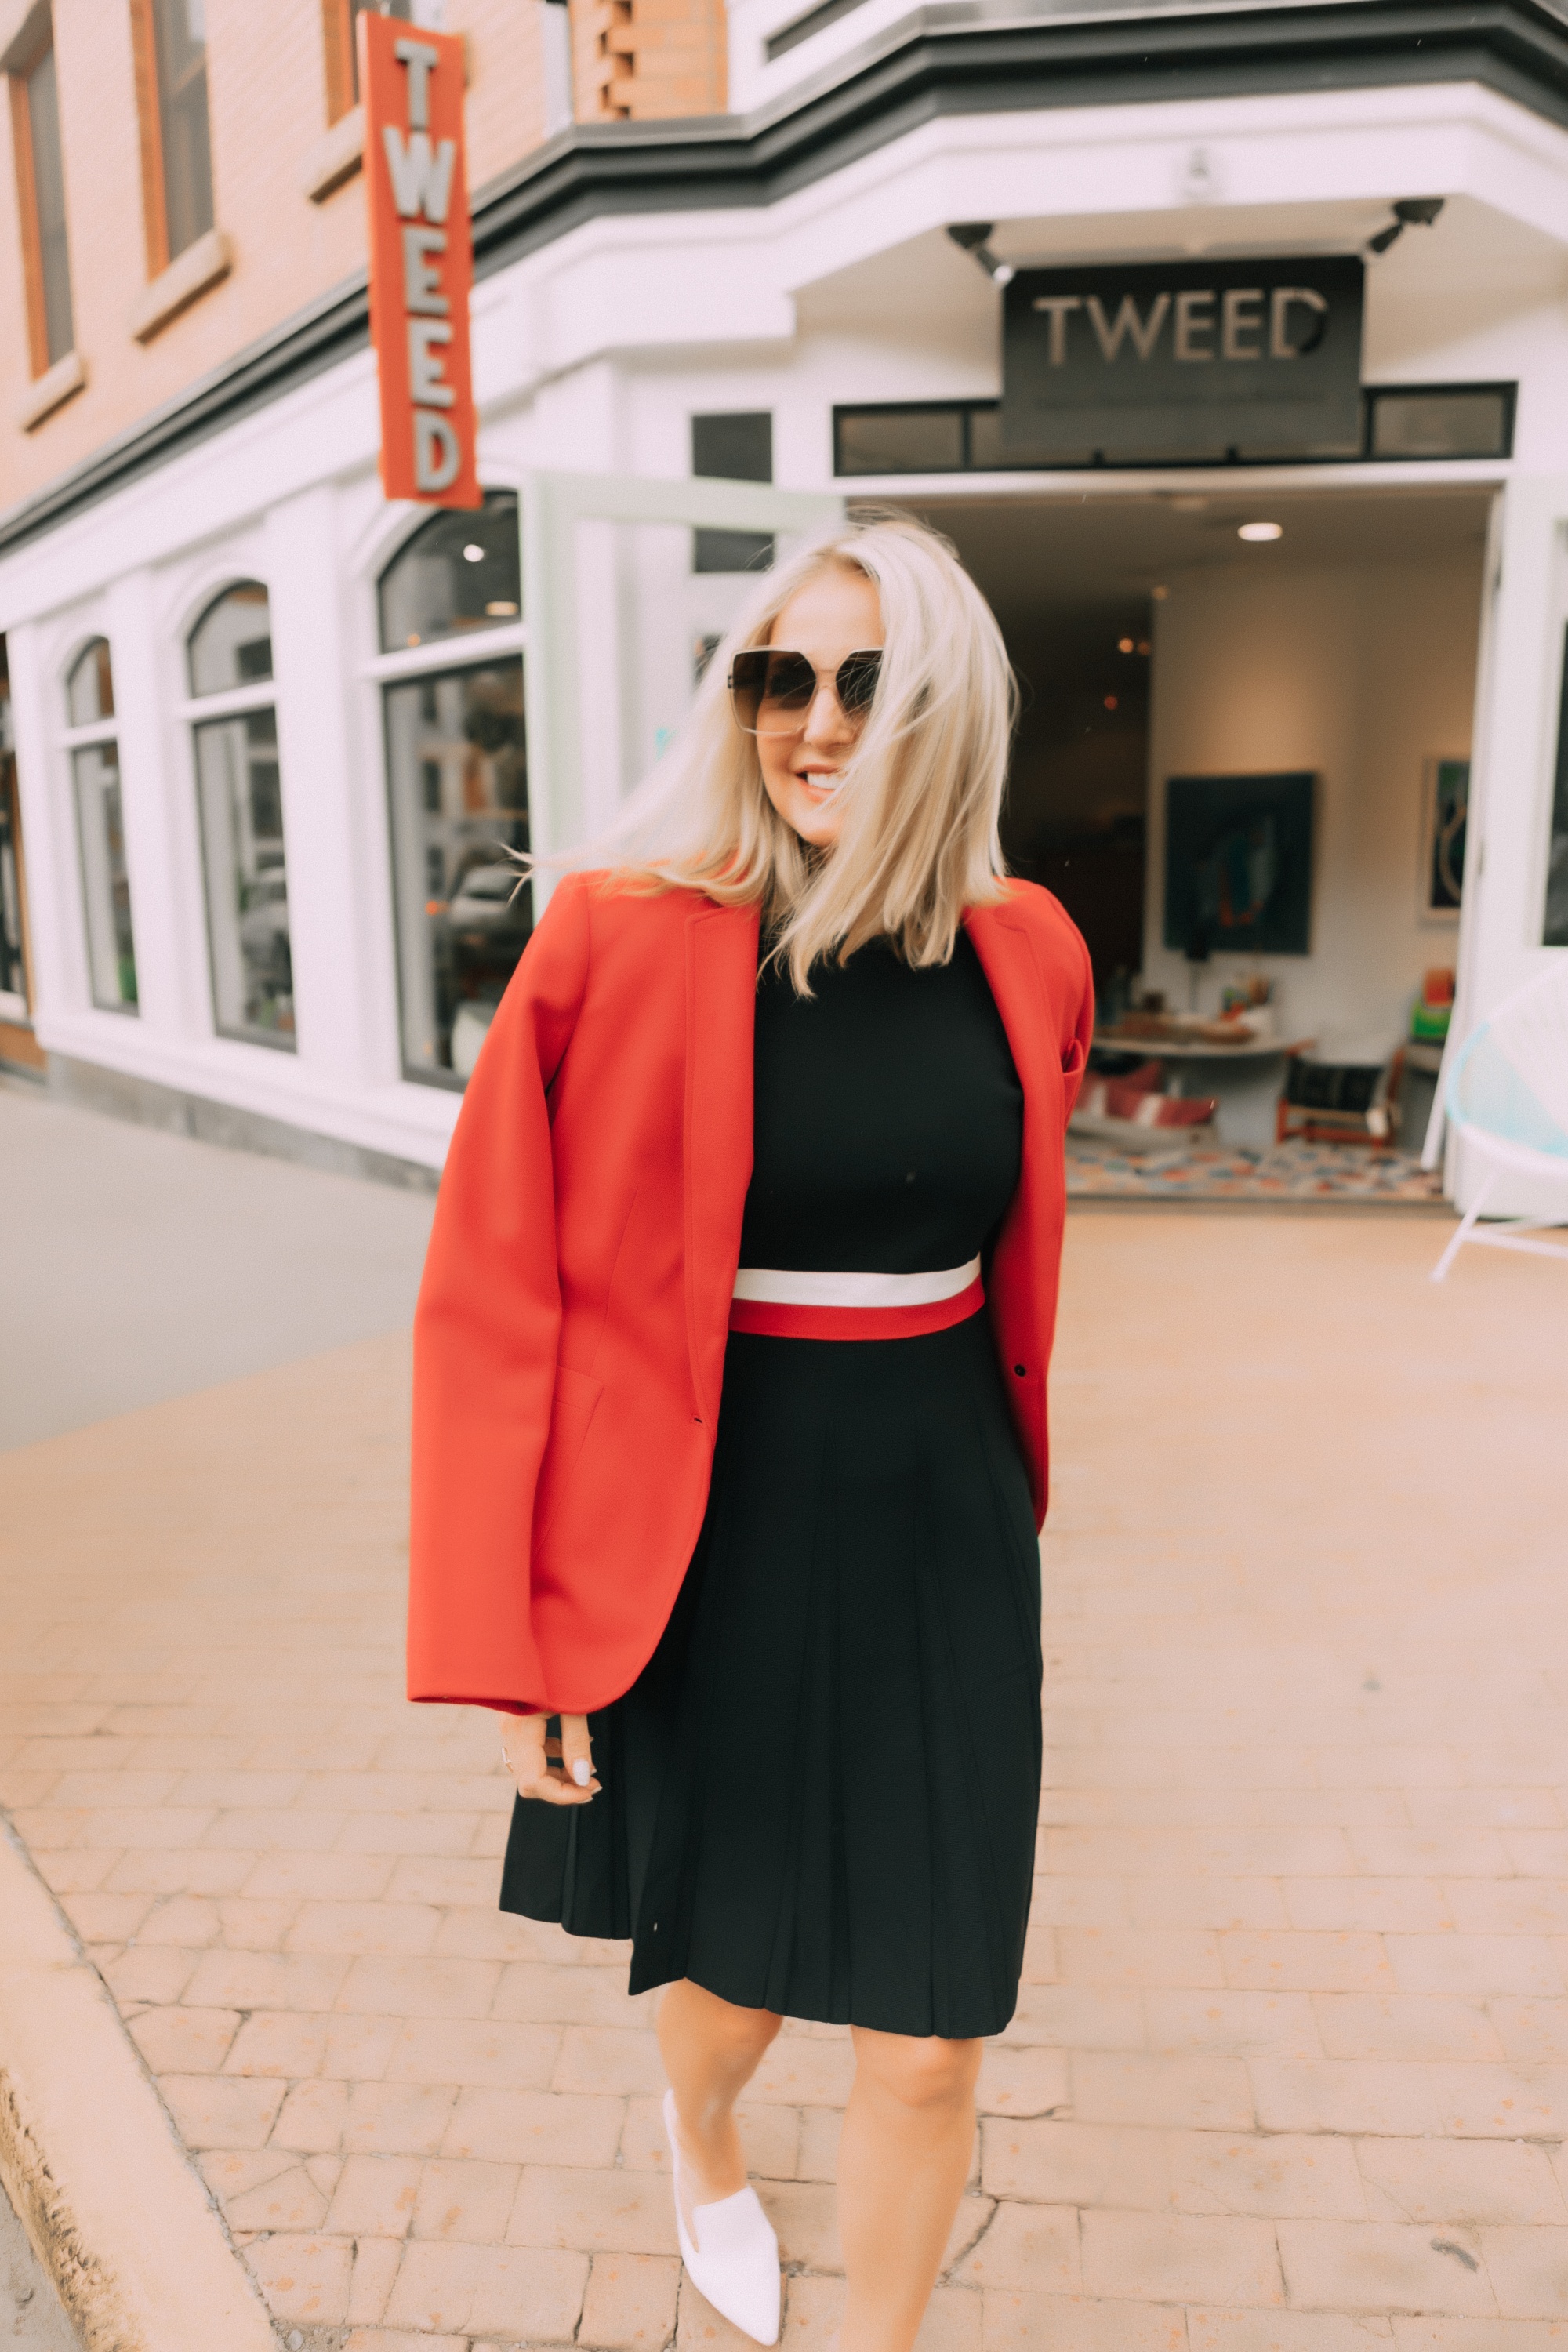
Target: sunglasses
(771, 692)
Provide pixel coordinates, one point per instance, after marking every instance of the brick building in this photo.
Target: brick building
(264, 737)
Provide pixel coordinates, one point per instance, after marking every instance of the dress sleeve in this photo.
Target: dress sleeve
(485, 1337)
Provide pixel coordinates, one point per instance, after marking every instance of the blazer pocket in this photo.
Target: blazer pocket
(571, 1408)
(1073, 1064)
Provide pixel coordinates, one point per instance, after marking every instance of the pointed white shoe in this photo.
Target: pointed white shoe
(737, 2264)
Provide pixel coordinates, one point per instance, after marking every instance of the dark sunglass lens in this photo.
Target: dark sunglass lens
(792, 682)
(747, 672)
(858, 677)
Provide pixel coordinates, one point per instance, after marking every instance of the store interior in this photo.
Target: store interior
(1320, 645)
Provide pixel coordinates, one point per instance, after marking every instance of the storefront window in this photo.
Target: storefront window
(1554, 932)
(457, 782)
(101, 830)
(12, 946)
(241, 805)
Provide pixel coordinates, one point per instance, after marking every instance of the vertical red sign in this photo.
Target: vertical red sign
(421, 258)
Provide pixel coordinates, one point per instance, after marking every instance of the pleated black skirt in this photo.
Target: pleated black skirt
(821, 1795)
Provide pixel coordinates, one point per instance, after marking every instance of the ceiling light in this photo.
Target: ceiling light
(1258, 532)
(500, 611)
(1123, 644)
(473, 553)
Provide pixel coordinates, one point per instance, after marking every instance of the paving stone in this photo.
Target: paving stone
(531, 2295)
(466, 2201)
(630, 2302)
(1029, 2081)
(1058, 2162)
(1050, 2323)
(215, 2111)
(1170, 2257)
(184, 2041)
(1444, 2180)
(303, 2278)
(1143, 2087)
(1384, 2267)
(1034, 2247)
(1264, 2174)
(1528, 2268)
(375, 2196)
(313, 2118)
(1406, 2025)
(608, 2212)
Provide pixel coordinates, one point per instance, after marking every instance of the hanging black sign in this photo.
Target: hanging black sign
(1131, 364)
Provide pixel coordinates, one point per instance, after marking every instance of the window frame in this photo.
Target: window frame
(19, 75)
(466, 649)
(150, 125)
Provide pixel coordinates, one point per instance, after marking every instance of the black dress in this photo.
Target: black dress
(820, 1796)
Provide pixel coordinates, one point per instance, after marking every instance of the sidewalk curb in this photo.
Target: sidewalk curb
(113, 2205)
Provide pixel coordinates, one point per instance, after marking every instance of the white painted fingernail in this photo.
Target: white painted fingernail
(582, 1771)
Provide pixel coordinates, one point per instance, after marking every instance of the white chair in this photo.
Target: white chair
(1507, 1097)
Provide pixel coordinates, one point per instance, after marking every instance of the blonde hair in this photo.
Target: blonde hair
(922, 787)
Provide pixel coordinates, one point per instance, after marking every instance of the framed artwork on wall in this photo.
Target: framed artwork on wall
(1445, 804)
(1238, 865)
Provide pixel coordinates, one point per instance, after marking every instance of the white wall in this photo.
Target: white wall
(1360, 673)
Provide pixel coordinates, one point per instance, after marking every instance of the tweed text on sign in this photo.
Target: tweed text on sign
(421, 259)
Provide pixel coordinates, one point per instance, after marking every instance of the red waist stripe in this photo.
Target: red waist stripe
(771, 1320)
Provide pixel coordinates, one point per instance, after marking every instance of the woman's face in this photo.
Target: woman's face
(837, 614)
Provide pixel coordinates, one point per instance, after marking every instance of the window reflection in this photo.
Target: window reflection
(240, 799)
(101, 830)
(231, 645)
(106, 884)
(247, 877)
(462, 571)
(89, 689)
(458, 776)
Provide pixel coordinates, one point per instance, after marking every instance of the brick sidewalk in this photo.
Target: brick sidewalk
(1290, 2066)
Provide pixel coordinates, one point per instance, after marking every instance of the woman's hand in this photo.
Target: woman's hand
(555, 1771)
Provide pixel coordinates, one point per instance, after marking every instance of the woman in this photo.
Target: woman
(730, 1443)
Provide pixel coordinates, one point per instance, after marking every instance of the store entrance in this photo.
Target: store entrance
(1242, 764)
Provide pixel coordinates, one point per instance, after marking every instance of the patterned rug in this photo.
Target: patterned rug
(1284, 1172)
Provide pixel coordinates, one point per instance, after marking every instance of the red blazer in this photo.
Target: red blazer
(569, 1342)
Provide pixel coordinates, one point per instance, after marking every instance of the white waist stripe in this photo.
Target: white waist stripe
(783, 1286)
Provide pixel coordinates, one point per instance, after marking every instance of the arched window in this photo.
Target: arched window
(457, 767)
(100, 828)
(240, 798)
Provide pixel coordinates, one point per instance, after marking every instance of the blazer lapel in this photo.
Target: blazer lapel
(721, 1014)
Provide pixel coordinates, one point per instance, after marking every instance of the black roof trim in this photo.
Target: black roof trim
(943, 60)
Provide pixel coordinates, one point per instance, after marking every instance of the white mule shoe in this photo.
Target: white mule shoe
(737, 2264)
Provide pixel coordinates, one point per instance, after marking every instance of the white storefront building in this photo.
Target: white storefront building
(271, 731)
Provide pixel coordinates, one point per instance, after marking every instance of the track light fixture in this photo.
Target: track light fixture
(974, 237)
(1410, 212)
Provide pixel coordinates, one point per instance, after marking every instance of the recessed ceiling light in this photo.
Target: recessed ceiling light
(473, 553)
(1258, 532)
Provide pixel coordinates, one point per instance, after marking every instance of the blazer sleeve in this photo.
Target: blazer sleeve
(485, 1337)
(1077, 1038)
